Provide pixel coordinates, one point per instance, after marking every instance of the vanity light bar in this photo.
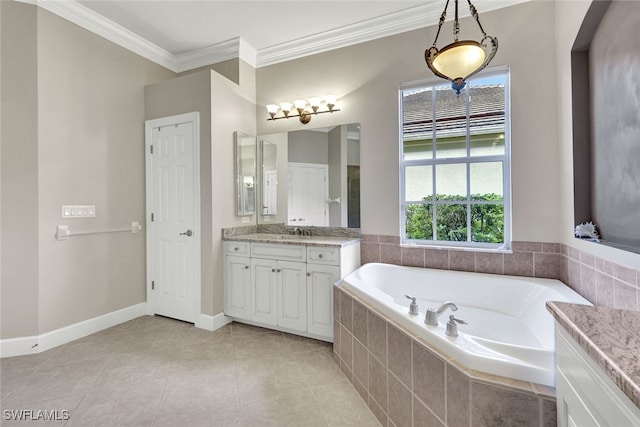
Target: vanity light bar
(302, 107)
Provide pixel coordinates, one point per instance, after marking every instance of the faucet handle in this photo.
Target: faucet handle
(452, 326)
(413, 306)
(454, 319)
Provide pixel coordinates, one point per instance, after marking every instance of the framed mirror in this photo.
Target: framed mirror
(316, 175)
(245, 171)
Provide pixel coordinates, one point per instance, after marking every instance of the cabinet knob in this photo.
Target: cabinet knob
(278, 270)
(308, 274)
(246, 267)
(273, 270)
(320, 256)
(236, 248)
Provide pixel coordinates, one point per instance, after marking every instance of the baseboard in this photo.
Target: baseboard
(36, 344)
(211, 323)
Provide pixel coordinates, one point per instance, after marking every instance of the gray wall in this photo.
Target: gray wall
(19, 181)
(74, 106)
(308, 147)
(615, 94)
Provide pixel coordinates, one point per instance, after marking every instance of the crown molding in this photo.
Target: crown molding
(391, 24)
(213, 54)
(89, 20)
(388, 25)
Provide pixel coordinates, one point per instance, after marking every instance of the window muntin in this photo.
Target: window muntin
(455, 165)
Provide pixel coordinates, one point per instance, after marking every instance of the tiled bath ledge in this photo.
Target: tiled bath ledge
(600, 281)
(408, 383)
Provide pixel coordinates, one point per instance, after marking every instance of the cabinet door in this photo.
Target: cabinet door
(292, 295)
(237, 287)
(320, 280)
(264, 296)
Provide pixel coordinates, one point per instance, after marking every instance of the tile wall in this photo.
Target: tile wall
(600, 281)
(407, 384)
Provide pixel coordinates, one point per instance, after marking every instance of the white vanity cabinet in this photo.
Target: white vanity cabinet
(586, 396)
(288, 286)
(237, 278)
(322, 272)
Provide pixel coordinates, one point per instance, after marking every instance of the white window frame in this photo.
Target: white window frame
(468, 160)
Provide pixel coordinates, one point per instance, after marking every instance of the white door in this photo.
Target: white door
(292, 295)
(308, 191)
(173, 243)
(320, 280)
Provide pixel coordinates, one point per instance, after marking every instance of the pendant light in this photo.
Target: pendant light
(461, 59)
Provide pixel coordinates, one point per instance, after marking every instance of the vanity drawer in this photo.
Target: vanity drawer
(323, 255)
(238, 248)
(278, 252)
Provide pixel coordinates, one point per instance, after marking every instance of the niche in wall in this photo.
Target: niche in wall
(605, 61)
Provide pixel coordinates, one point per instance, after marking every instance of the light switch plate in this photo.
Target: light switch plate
(78, 211)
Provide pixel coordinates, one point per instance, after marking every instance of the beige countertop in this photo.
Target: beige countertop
(294, 239)
(610, 336)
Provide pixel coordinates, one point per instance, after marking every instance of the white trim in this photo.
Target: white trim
(193, 118)
(212, 323)
(394, 23)
(215, 53)
(37, 344)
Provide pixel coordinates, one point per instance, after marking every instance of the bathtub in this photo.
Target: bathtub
(509, 332)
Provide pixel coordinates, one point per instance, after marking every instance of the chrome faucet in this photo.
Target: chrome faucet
(432, 315)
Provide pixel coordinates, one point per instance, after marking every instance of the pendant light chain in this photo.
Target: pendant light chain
(443, 16)
(474, 13)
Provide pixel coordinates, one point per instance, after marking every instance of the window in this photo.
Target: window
(455, 172)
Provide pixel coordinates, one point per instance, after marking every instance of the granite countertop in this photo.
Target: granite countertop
(294, 239)
(610, 336)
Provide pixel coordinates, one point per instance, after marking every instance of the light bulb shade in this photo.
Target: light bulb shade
(330, 99)
(300, 104)
(272, 108)
(462, 59)
(314, 102)
(286, 106)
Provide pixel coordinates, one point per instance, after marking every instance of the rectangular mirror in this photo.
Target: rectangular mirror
(321, 170)
(245, 170)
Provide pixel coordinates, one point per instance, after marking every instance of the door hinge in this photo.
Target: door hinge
(153, 285)
(151, 216)
(151, 147)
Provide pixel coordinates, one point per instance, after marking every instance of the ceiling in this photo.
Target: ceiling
(187, 34)
(182, 26)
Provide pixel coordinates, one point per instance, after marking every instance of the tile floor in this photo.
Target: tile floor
(154, 371)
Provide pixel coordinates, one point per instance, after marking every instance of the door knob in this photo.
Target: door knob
(187, 233)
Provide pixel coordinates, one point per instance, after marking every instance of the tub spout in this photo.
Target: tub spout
(432, 315)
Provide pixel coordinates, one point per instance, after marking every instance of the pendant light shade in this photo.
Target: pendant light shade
(461, 59)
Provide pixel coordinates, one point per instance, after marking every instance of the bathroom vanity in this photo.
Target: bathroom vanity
(285, 282)
(597, 365)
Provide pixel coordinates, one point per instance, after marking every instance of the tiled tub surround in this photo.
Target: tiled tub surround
(602, 282)
(406, 383)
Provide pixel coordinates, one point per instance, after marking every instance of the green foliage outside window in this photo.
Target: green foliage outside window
(487, 220)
